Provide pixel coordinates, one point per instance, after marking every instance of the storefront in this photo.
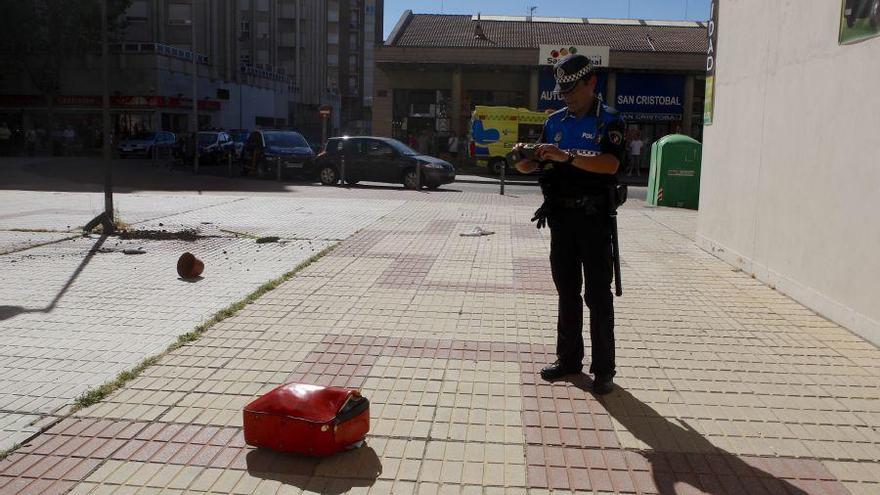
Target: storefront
(651, 71)
(82, 114)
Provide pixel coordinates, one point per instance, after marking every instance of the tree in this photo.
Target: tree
(40, 37)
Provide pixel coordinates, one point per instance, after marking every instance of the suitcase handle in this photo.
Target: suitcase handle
(355, 405)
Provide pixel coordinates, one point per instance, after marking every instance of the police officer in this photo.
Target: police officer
(584, 143)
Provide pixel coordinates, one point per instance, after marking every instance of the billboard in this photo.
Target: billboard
(859, 20)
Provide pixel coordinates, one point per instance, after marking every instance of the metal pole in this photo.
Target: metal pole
(195, 90)
(503, 170)
(419, 175)
(105, 117)
(229, 164)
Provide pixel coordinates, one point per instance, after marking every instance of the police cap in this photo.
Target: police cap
(569, 70)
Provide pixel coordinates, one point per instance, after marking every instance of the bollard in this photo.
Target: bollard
(154, 154)
(229, 165)
(278, 169)
(342, 170)
(503, 170)
(419, 175)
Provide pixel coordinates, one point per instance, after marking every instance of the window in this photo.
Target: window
(353, 40)
(263, 5)
(245, 59)
(137, 12)
(353, 63)
(263, 57)
(353, 18)
(263, 29)
(245, 30)
(352, 85)
(244, 4)
(179, 13)
(378, 149)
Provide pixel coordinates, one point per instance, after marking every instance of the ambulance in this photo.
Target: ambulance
(494, 131)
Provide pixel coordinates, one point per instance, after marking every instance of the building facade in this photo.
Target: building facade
(790, 171)
(434, 69)
(261, 63)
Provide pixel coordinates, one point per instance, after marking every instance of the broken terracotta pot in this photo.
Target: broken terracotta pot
(188, 266)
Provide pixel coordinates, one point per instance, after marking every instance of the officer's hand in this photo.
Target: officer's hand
(541, 215)
(550, 153)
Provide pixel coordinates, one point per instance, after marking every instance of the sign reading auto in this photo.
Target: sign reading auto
(550, 54)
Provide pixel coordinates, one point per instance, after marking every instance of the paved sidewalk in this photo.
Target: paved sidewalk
(77, 312)
(725, 386)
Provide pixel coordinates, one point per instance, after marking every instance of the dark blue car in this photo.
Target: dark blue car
(265, 151)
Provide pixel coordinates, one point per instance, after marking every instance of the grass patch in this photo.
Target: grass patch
(95, 395)
(5, 453)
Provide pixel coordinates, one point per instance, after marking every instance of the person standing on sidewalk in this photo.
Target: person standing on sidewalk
(584, 142)
(635, 156)
(5, 139)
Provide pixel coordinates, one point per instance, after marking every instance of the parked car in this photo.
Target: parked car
(239, 136)
(379, 159)
(214, 146)
(144, 143)
(267, 149)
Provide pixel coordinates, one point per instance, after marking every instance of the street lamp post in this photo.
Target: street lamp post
(105, 117)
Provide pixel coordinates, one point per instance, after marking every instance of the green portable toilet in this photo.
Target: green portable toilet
(674, 178)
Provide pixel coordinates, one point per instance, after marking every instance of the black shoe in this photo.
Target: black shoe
(603, 384)
(558, 370)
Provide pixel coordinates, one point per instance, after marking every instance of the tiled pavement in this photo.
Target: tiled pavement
(725, 386)
(74, 313)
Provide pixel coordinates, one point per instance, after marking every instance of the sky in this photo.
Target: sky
(697, 10)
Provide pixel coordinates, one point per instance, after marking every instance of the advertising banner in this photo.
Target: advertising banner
(549, 100)
(550, 54)
(709, 101)
(859, 20)
(650, 97)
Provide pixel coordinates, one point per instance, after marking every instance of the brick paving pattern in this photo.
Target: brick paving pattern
(725, 385)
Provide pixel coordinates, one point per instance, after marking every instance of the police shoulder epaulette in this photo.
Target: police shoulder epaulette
(611, 110)
(559, 113)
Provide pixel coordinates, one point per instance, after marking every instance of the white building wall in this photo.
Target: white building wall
(791, 165)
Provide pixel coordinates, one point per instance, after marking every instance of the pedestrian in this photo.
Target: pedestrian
(462, 149)
(30, 138)
(635, 156)
(411, 141)
(584, 142)
(69, 136)
(423, 143)
(452, 147)
(5, 139)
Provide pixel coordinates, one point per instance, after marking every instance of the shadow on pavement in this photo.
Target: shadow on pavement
(668, 440)
(86, 174)
(7, 312)
(331, 475)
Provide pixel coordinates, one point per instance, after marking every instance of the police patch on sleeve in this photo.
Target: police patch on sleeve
(558, 137)
(616, 137)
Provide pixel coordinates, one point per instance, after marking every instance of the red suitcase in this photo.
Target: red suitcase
(307, 419)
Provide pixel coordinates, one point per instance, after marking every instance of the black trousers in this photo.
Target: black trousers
(580, 250)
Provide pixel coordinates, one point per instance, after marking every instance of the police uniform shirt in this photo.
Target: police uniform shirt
(599, 131)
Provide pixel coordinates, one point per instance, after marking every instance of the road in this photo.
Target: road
(86, 174)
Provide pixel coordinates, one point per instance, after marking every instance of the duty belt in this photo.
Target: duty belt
(587, 202)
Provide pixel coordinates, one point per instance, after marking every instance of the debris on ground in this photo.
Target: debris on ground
(476, 232)
(187, 235)
(264, 240)
(134, 251)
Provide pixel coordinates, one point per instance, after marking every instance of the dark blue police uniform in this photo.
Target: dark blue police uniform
(577, 210)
